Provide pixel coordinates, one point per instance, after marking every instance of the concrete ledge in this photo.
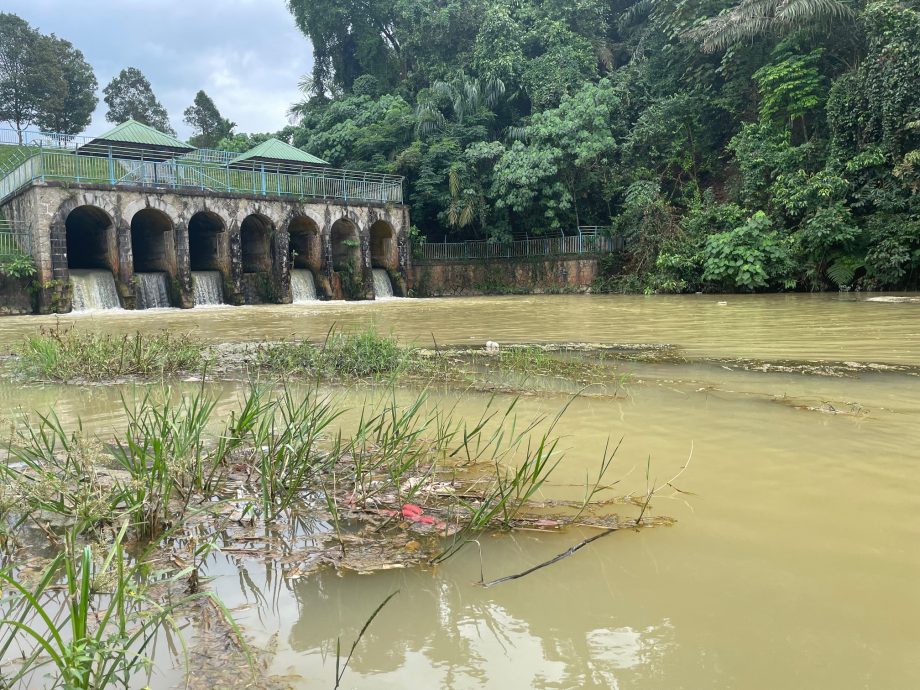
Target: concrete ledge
(538, 275)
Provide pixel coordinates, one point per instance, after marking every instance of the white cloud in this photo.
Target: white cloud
(246, 54)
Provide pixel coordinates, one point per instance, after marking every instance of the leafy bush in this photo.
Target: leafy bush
(680, 263)
(894, 256)
(17, 266)
(749, 257)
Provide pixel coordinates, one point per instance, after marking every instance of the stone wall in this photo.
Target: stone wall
(14, 296)
(45, 208)
(503, 276)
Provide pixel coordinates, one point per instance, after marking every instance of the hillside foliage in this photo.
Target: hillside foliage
(759, 145)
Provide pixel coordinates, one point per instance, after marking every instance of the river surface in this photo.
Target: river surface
(795, 559)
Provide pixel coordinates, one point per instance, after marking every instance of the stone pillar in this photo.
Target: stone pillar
(233, 278)
(281, 268)
(123, 265)
(56, 293)
(182, 278)
(367, 273)
(324, 275)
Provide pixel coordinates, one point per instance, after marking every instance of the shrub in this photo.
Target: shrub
(17, 266)
(749, 257)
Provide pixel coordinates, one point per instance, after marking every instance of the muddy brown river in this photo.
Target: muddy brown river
(795, 559)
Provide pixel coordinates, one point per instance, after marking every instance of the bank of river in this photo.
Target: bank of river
(794, 560)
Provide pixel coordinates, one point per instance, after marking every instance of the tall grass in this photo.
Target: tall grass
(62, 354)
(179, 457)
(93, 634)
(284, 447)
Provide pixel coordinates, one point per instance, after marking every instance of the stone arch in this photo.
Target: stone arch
(305, 243)
(205, 231)
(90, 239)
(256, 233)
(346, 245)
(383, 245)
(154, 202)
(152, 244)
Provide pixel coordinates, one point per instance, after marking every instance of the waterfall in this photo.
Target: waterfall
(208, 286)
(383, 288)
(152, 290)
(93, 289)
(303, 288)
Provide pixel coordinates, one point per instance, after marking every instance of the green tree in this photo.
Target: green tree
(350, 38)
(28, 72)
(69, 107)
(566, 159)
(130, 96)
(206, 121)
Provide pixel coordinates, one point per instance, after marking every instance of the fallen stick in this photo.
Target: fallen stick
(555, 559)
(568, 552)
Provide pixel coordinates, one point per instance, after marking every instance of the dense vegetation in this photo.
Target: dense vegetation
(763, 145)
(769, 144)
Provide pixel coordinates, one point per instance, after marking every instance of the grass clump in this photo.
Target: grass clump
(61, 354)
(362, 355)
(404, 483)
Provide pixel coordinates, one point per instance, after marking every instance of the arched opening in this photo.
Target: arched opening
(154, 258)
(151, 241)
(255, 240)
(91, 259)
(204, 235)
(346, 247)
(90, 239)
(383, 249)
(305, 243)
(306, 258)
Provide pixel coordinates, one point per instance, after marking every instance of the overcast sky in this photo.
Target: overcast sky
(248, 55)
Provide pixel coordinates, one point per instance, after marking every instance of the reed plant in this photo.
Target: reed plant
(162, 452)
(284, 447)
(86, 623)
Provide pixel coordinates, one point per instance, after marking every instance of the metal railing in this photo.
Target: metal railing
(67, 159)
(15, 238)
(590, 240)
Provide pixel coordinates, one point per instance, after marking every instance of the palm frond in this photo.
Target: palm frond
(843, 270)
(752, 18)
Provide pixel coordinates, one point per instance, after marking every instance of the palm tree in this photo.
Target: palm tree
(466, 98)
(752, 18)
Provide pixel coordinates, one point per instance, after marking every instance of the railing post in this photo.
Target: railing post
(41, 157)
(111, 166)
(262, 169)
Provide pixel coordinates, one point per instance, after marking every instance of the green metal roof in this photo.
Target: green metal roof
(276, 150)
(134, 132)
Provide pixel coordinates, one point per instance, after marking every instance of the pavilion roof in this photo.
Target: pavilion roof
(277, 151)
(132, 134)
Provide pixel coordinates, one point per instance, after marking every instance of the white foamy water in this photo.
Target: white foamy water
(208, 287)
(152, 290)
(93, 290)
(303, 286)
(382, 286)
